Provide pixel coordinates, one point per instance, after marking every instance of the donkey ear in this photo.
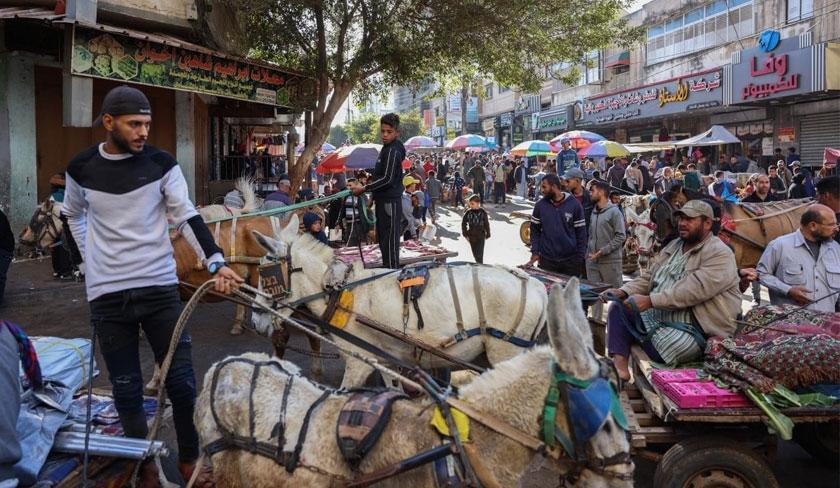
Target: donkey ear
(290, 232)
(270, 244)
(562, 331)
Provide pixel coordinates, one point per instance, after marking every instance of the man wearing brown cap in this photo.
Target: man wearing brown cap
(118, 196)
(688, 293)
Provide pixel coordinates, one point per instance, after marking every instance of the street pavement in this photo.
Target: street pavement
(44, 306)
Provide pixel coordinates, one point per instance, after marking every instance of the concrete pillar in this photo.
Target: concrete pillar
(18, 171)
(185, 137)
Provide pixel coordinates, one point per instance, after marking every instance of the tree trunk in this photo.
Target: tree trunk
(465, 97)
(320, 130)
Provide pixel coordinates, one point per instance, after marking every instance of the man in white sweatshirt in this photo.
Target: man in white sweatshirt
(116, 202)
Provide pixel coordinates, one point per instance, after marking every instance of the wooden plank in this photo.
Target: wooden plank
(647, 420)
(632, 392)
(638, 404)
(658, 434)
(632, 423)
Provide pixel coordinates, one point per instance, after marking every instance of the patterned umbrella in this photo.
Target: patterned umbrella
(579, 139)
(604, 149)
(465, 141)
(532, 148)
(326, 147)
(420, 141)
(358, 156)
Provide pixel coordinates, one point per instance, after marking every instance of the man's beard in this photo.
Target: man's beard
(694, 237)
(123, 144)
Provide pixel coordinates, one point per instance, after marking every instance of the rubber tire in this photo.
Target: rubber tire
(525, 233)
(688, 457)
(806, 435)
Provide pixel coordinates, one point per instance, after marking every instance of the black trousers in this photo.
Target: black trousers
(117, 318)
(499, 192)
(569, 267)
(388, 218)
(477, 246)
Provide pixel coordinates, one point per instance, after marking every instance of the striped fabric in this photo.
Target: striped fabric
(675, 346)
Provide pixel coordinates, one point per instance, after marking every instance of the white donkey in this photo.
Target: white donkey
(271, 404)
(509, 299)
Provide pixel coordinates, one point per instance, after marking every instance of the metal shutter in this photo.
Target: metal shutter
(818, 131)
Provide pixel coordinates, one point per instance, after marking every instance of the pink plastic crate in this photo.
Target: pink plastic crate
(662, 377)
(703, 394)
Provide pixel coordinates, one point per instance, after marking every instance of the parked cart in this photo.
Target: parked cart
(719, 446)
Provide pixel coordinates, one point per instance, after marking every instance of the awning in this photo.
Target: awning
(620, 59)
(643, 147)
(715, 136)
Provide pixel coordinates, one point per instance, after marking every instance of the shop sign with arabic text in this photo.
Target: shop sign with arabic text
(122, 58)
(784, 71)
(684, 94)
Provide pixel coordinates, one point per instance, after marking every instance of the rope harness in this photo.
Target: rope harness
(42, 224)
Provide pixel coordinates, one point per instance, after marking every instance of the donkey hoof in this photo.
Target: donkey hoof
(236, 330)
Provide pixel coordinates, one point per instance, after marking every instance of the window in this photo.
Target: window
(488, 91)
(503, 89)
(718, 22)
(799, 10)
(591, 71)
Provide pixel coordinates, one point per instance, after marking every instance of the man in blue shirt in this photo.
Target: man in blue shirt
(558, 230)
(567, 158)
(280, 197)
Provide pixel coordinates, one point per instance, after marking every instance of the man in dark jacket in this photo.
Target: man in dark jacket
(762, 192)
(387, 189)
(615, 175)
(558, 230)
(476, 175)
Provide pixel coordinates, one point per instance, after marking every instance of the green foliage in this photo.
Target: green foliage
(365, 128)
(366, 45)
(337, 135)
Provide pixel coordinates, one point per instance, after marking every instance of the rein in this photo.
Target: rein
(46, 227)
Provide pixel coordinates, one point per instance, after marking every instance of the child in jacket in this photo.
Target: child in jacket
(476, 227)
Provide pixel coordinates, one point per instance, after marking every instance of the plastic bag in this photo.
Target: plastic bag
(429, 232)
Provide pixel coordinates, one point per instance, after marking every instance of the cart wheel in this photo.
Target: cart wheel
(705, 462)
(822, 441)
(525, 233)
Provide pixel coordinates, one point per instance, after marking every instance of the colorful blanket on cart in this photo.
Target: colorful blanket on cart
(794, 350)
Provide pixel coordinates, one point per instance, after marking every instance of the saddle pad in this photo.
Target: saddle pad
(462, 423)
(362, 420)
(415, 278)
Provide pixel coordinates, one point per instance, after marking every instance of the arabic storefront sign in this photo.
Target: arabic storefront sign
(506, 119)
(123, 58)
(488, 124)
(784, 71)
(685, 94)
(556, 121)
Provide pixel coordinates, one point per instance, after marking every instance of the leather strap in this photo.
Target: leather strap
(459, 319)
(520, 312)
(482, 321)
(233, 240)
(291, 462)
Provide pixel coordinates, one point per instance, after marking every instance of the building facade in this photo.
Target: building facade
(211, 108)
(701, 63)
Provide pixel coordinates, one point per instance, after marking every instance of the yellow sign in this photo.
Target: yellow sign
(439, 122)
(681, 95)
(450, 133)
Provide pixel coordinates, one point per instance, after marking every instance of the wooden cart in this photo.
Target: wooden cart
(727, 447)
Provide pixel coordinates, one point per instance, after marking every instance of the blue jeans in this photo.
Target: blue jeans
(117, 318)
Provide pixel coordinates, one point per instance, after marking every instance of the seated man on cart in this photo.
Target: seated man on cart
(690, 291)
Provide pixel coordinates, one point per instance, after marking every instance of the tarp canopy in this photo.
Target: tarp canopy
(643, 147)
(715, 136)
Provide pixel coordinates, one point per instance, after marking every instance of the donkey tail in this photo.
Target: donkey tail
(246, 187)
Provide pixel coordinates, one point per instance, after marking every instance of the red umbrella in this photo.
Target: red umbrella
(334, 163)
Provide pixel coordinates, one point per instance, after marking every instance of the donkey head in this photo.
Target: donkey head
(571, 341)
